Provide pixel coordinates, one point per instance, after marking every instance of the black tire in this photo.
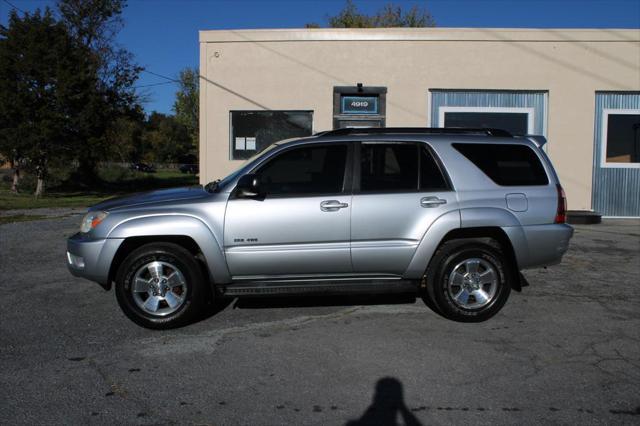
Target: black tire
(452, 254)
(196, 294)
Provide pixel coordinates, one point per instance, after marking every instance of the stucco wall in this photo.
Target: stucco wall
(297, 69)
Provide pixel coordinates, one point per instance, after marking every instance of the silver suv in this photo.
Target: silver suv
(453, 214)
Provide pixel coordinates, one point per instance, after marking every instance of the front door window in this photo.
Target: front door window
(305, 171)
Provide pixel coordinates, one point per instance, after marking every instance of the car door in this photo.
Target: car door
(299, 225)
(400, 189)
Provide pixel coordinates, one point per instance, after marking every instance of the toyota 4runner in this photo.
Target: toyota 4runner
(452, 214)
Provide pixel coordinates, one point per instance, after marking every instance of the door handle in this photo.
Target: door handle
(432, 202)
(332, 205)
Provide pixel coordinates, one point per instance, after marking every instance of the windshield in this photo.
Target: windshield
(240, 170)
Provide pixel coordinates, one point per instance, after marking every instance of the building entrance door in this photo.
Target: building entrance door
(359, 106)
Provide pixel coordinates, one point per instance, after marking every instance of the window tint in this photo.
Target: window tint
(507, 165)
(516, 123)
(312, 170)
(431, 177)
(623, 138)
(388, 167)
(253, 131)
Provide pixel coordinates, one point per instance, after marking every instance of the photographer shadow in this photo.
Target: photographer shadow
(388, 405)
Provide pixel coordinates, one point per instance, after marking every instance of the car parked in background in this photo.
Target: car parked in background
(143, 167)
(452, 214)
(190, 168)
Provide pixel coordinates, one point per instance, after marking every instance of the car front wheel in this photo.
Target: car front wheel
(160, 286)
(469, 280)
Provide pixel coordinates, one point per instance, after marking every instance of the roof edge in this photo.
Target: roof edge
(422, 34)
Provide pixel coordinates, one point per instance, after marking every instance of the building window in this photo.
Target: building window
(621, 136)
(518, 121)
(253, 131)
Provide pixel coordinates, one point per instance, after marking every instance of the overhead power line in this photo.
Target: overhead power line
(13, 6)
(154, 84)
(158, 75)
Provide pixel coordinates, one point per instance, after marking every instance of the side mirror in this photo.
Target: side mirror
(248, 185)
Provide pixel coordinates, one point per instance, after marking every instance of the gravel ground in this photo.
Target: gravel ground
(565, 350)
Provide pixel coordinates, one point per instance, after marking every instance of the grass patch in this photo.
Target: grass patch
(22, 218)
(115, 181)
(11, 201)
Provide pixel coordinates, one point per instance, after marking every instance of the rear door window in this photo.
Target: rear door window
(399, 167)
(431, 177)
(389, 167)
(506, 164)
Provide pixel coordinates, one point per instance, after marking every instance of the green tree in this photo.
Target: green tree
(186, 105)
(388, 17)
(124, 139)
(46, 81)
(164, 139)
(94, 25)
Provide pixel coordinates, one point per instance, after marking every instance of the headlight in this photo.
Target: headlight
(91, 220)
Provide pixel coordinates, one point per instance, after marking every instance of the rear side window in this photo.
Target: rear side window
(506, 165)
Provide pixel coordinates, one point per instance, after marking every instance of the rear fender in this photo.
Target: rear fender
(501, 218)
(483, 217)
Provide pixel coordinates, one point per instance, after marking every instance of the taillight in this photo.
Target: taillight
(561, 211)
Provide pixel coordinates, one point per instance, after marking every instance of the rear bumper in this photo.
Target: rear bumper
(539, 245)
(91, 258)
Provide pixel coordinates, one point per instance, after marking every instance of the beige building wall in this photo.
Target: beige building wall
(297, 70)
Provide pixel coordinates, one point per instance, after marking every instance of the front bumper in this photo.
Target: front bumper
(91, 258)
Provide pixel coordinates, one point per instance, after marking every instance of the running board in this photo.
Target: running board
(266, 288)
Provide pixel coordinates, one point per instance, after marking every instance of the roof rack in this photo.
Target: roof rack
(425, 130)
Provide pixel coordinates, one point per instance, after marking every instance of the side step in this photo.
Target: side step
(266, 288)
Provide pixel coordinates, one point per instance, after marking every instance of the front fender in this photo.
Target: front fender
(179, 225)
(430, 242)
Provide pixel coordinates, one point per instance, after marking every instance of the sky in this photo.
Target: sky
(163, 34)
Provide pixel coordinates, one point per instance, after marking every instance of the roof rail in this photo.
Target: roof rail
(424, 130)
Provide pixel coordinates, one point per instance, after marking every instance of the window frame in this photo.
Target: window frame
(356, 168)
(606, 112)
(231, 135)
(346, 181)
(530, 111)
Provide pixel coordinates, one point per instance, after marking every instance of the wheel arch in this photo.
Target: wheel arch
(186, 231)
(132, 243)
(492, 223)
(487, 234)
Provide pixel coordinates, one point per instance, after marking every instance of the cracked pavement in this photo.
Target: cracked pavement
(565, 350)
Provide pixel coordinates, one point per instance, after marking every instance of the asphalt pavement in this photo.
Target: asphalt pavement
(565, 350)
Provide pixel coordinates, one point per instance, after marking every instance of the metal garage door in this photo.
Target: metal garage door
(616, 159)
(520, 112)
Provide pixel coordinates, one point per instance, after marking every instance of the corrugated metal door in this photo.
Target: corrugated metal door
(532, 102)
(616, 185)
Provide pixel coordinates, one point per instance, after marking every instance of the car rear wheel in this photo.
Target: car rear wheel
(161, 286)
(468, 280)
